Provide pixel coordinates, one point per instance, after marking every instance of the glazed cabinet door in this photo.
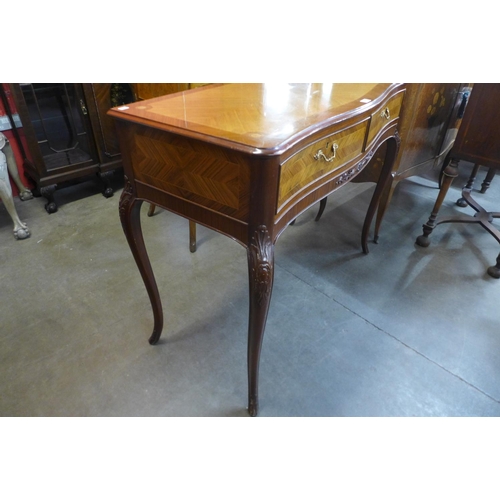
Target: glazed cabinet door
(57, 128)
(60, 126)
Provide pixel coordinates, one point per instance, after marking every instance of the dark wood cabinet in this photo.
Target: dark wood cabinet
(68, 133)
(429, 123)
(477, 141)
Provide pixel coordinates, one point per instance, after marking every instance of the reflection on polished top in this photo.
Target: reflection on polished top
(263, 116)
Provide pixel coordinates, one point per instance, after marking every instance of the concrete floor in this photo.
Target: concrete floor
(403, 331)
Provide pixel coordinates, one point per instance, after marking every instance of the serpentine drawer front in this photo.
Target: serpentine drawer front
(387, 113)
(245, 160)
(324, 158)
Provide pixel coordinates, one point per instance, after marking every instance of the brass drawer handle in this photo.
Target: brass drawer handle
(386, 114)
(320, 153)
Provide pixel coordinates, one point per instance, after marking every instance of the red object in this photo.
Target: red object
(13, 141)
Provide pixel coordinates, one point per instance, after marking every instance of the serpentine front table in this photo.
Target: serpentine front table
(246, 160)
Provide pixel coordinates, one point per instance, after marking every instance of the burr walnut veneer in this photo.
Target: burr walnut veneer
(246, 160)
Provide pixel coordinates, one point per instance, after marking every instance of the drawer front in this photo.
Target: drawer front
(320, 159)
(387, 113)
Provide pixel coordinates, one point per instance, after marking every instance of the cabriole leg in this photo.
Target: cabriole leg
(129, 208)
(380, 188)
(261, 274)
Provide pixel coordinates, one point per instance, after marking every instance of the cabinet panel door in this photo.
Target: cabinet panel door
(478, 140)
(57, 126)
(101, 97)
(425, 121)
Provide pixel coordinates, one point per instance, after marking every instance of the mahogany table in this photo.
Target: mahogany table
(246, 160)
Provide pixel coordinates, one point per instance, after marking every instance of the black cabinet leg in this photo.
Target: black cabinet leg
(48, 193)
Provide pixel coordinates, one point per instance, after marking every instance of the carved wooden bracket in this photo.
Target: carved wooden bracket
(125, 199)
(261, 254)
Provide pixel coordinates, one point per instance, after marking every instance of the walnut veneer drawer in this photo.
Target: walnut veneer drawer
(384, 115)
(322, 159)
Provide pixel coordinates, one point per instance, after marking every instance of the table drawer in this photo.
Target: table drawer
(320, 159)
(385, 114)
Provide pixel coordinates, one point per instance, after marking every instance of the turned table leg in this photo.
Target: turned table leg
(470, 184)
(260, 273)
(449, 173)
(130, 218)
(487, 180)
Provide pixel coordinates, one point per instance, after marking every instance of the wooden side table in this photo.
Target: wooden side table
(478, 141)
(246, 160)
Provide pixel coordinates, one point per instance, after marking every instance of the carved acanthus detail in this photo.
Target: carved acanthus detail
(125, 199)
(262, 263)
(349, 174)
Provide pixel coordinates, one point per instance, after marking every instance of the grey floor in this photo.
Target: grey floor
(402, 331)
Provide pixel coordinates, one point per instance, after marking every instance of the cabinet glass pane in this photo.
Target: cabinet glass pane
(56, 112)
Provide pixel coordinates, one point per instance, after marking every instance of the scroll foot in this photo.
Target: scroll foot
(155, 336)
